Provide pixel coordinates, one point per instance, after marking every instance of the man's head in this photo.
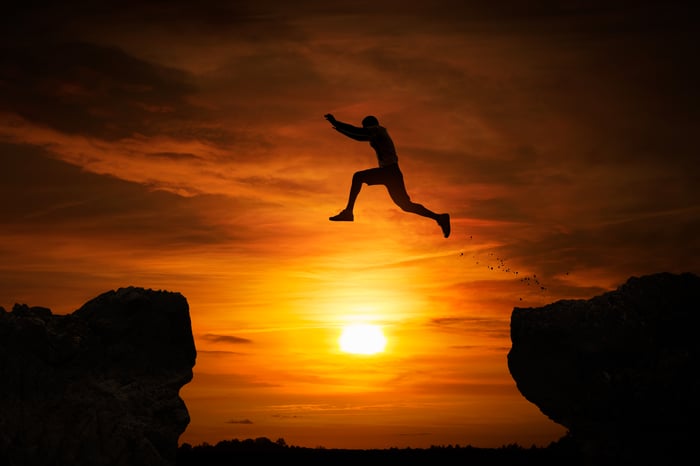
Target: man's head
(369, 121)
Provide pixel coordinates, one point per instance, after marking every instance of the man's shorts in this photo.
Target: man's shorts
(391, 177)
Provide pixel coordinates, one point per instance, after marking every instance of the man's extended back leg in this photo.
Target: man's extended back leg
(402, 199)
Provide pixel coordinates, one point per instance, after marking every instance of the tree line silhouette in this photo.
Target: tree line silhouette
(262, 449)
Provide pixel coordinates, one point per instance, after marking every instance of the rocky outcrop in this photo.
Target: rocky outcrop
(619, 371)
(99, 386)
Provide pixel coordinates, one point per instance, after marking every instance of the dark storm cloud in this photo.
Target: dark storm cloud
(48, 193)
(54, 18)
(614, 246)
(512, 168)
(93, 90)
(273, 85)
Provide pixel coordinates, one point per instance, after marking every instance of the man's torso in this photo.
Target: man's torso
(383, 145)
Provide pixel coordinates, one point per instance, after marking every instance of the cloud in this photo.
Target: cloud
(95, 91)
(226, 339)
(239, 421)
(219, 353)
(228, 382)
(494, 327)
(49, 192)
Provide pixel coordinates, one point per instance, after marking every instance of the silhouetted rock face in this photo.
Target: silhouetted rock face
(99, 386)
(620, 370)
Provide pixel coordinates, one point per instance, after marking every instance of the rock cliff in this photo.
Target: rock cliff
(99, 386)
(619, 371)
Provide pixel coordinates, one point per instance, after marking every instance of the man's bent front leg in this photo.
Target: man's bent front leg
(355, 188)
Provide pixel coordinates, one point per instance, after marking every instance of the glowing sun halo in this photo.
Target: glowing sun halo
(362, 339)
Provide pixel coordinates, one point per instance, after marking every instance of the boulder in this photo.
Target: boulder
(619, 370)
(99, 386)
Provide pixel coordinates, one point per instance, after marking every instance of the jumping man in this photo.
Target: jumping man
(387, 174)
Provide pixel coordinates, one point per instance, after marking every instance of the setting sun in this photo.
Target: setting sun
(362, 339)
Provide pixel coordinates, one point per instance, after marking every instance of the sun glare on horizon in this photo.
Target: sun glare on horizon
(362, 339)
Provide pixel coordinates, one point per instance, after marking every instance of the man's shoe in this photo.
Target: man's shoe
(344, 216)
(444, 222)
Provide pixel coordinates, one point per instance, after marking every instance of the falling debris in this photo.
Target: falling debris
(496, 263)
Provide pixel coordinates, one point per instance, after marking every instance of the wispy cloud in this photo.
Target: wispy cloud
(226, 339)
(239, 421)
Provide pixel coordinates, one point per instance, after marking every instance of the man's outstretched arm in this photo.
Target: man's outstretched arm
(354, 132)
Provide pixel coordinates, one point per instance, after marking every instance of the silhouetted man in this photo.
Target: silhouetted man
(387, 174)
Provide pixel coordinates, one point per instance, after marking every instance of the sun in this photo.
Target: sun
(362, 339)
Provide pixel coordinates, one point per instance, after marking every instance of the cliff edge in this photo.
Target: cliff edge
(98, 386)
(619, 371)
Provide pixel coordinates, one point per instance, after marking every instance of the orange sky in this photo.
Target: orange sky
(182, 146)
